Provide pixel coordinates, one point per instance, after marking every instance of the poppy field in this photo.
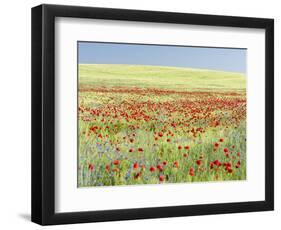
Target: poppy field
(154, 125)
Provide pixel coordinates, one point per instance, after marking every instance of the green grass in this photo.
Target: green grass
(115, 75)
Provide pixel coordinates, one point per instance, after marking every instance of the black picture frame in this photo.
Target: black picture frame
(43, 114)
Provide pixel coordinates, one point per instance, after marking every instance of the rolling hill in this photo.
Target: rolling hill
(113, 75)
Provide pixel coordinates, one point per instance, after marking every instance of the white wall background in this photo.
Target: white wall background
(15, 113)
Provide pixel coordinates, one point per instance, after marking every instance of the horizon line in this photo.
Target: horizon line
(172, 66)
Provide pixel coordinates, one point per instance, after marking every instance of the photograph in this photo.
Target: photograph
(156, 114)
(141, 114)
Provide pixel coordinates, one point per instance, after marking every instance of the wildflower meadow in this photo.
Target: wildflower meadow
(153, 125)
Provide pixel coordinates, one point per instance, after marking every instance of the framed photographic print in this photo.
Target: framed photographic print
(142, 114)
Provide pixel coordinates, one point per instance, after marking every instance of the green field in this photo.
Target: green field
(153, 124)
(159, 76)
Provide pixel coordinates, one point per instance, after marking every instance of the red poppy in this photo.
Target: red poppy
(225, 150)
(176, 164)
(136, 165)
(238, 154)
(160, 167)
(191, 172)
(185, 155)
(91, 167)
(152, 169)
(174, 124)
(198, 162)
(229, 170)
(211, 165)
(116, 162)
(238, 164)
(107, 168)
(131, 150)
(140, 149)
(227, 165)
(187, 147)
(217, 163)
(216, 145)
(179, 147)
(161, 178)
(221, 140)
(160, 134)
(165, 162)
(137, 175)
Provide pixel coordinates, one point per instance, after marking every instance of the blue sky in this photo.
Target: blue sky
(233, 60)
